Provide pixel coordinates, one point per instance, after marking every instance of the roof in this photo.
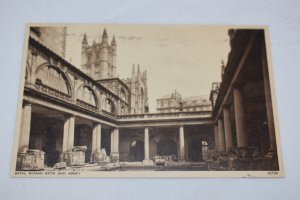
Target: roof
(196, 100)
(172, 95)
(192, 98)
(165, 96)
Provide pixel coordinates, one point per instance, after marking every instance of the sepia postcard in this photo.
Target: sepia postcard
(108, 100)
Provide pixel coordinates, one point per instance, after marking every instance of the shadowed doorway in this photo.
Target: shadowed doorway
(166, 148)
(195, 150)
(136, 151)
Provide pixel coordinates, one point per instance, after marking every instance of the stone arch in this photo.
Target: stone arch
(27, 72)
(66, 78)
(109, 105)
(93, 93)
(123, 94)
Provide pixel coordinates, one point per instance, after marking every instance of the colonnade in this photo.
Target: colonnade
(69, 134)
(223, 129)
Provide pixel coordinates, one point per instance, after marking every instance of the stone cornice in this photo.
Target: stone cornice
(240, 46)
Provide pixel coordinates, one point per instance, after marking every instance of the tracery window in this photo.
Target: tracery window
(87, 95)
(109, 106)
(53, 78)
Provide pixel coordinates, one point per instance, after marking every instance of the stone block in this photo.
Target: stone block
(74, 158)
(148, 162)
(114, 157)
(60, 166)
(31, 160)
(99, 156)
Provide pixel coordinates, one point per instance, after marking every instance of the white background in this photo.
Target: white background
(283, 19)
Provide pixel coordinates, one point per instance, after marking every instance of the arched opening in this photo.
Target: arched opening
(166, 147)
(27, 73)
(87, 95)
(195, 150)
(123, 94)
(136, 151)
(109, 106)
(53, 78)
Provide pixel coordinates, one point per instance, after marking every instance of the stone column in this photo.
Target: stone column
(112, 134)
(146, 143)
(216, 137)
(269, 107)
(114, 154)
(221, 135)
(239, 118)
(96, 141)
(146, 147)
(116, 141)
(68, 140)
(25, 127)
(181, 143)
(68, 137)
(227, 129)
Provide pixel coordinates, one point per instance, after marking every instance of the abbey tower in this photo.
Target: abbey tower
(99, 62)
(99, 59)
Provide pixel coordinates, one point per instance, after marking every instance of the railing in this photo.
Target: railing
(171, 115)
(166, 115)
(86, 105)
(51, 91)
(108, 114)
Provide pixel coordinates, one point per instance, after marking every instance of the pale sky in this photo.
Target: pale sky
(182, 58)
